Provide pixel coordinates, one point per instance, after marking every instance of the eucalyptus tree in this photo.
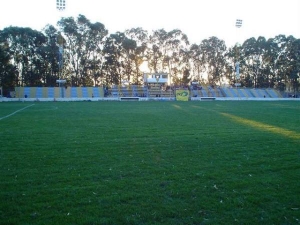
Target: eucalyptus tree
(23, 45)
(234, 67)
(197, 60)
(49, 59)
(255, 59)
(185, 75)
(128, 57)
(279, 60)
(249, 62)
(232, 56)
(154, 52)
(114, 59)
(293, 66)
(214, 51)
(176, 56)
(277, 57)
(166, 50)
(184, 67)
(95, 42)
(135, 48)
(8, 73)
(83, 48)
(263, 61)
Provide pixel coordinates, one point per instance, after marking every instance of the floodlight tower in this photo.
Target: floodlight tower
(60, 6)
(238, 24)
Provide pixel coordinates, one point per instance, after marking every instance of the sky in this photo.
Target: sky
(198, 19)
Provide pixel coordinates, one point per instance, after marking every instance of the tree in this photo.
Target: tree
(138, 45)
(165, 52)
(197, 59)
(8, 72)
(294, 64)
(255, 61)
(83, 48)
(128, 49)
(279, 60)
(214, 51)
(49, 58)
(23, 46)
(114, 61)
(95, 43)
(232, 56)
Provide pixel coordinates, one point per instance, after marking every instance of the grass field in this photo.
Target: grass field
(150, 162)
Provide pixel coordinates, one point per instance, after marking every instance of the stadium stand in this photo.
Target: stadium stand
(135, 91)
(44, 91)
(27, 92)
(204, 92)
(226, 92)
(217, 92)
(51, 92)
(254, 93)
(85, 93)
(233, 92)
(211, 92)
(56, 92)
(243, 93)
(68, 92)
(145, 91)
(273, 93)
(195, 93)
(125, 92)
(240, 93)
(79, 92)
(257, 93)
(73, 92)
(114, 91)
(249, 93)
(157, 90)
(39, 92)
(263, 93)
(95, 92)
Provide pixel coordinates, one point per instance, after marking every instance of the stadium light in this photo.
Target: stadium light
(238, 24)
(61, 5)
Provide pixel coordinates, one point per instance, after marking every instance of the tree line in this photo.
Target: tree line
(85, 54)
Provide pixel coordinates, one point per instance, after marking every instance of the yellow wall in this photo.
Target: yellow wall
(79, 92)
(57, 92)
(32, 92)
(45, 92)
(90, 91)
(68, 92)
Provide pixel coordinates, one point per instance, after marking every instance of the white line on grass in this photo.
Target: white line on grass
(1, 118)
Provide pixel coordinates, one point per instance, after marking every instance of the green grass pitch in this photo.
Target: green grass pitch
(233, 162)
